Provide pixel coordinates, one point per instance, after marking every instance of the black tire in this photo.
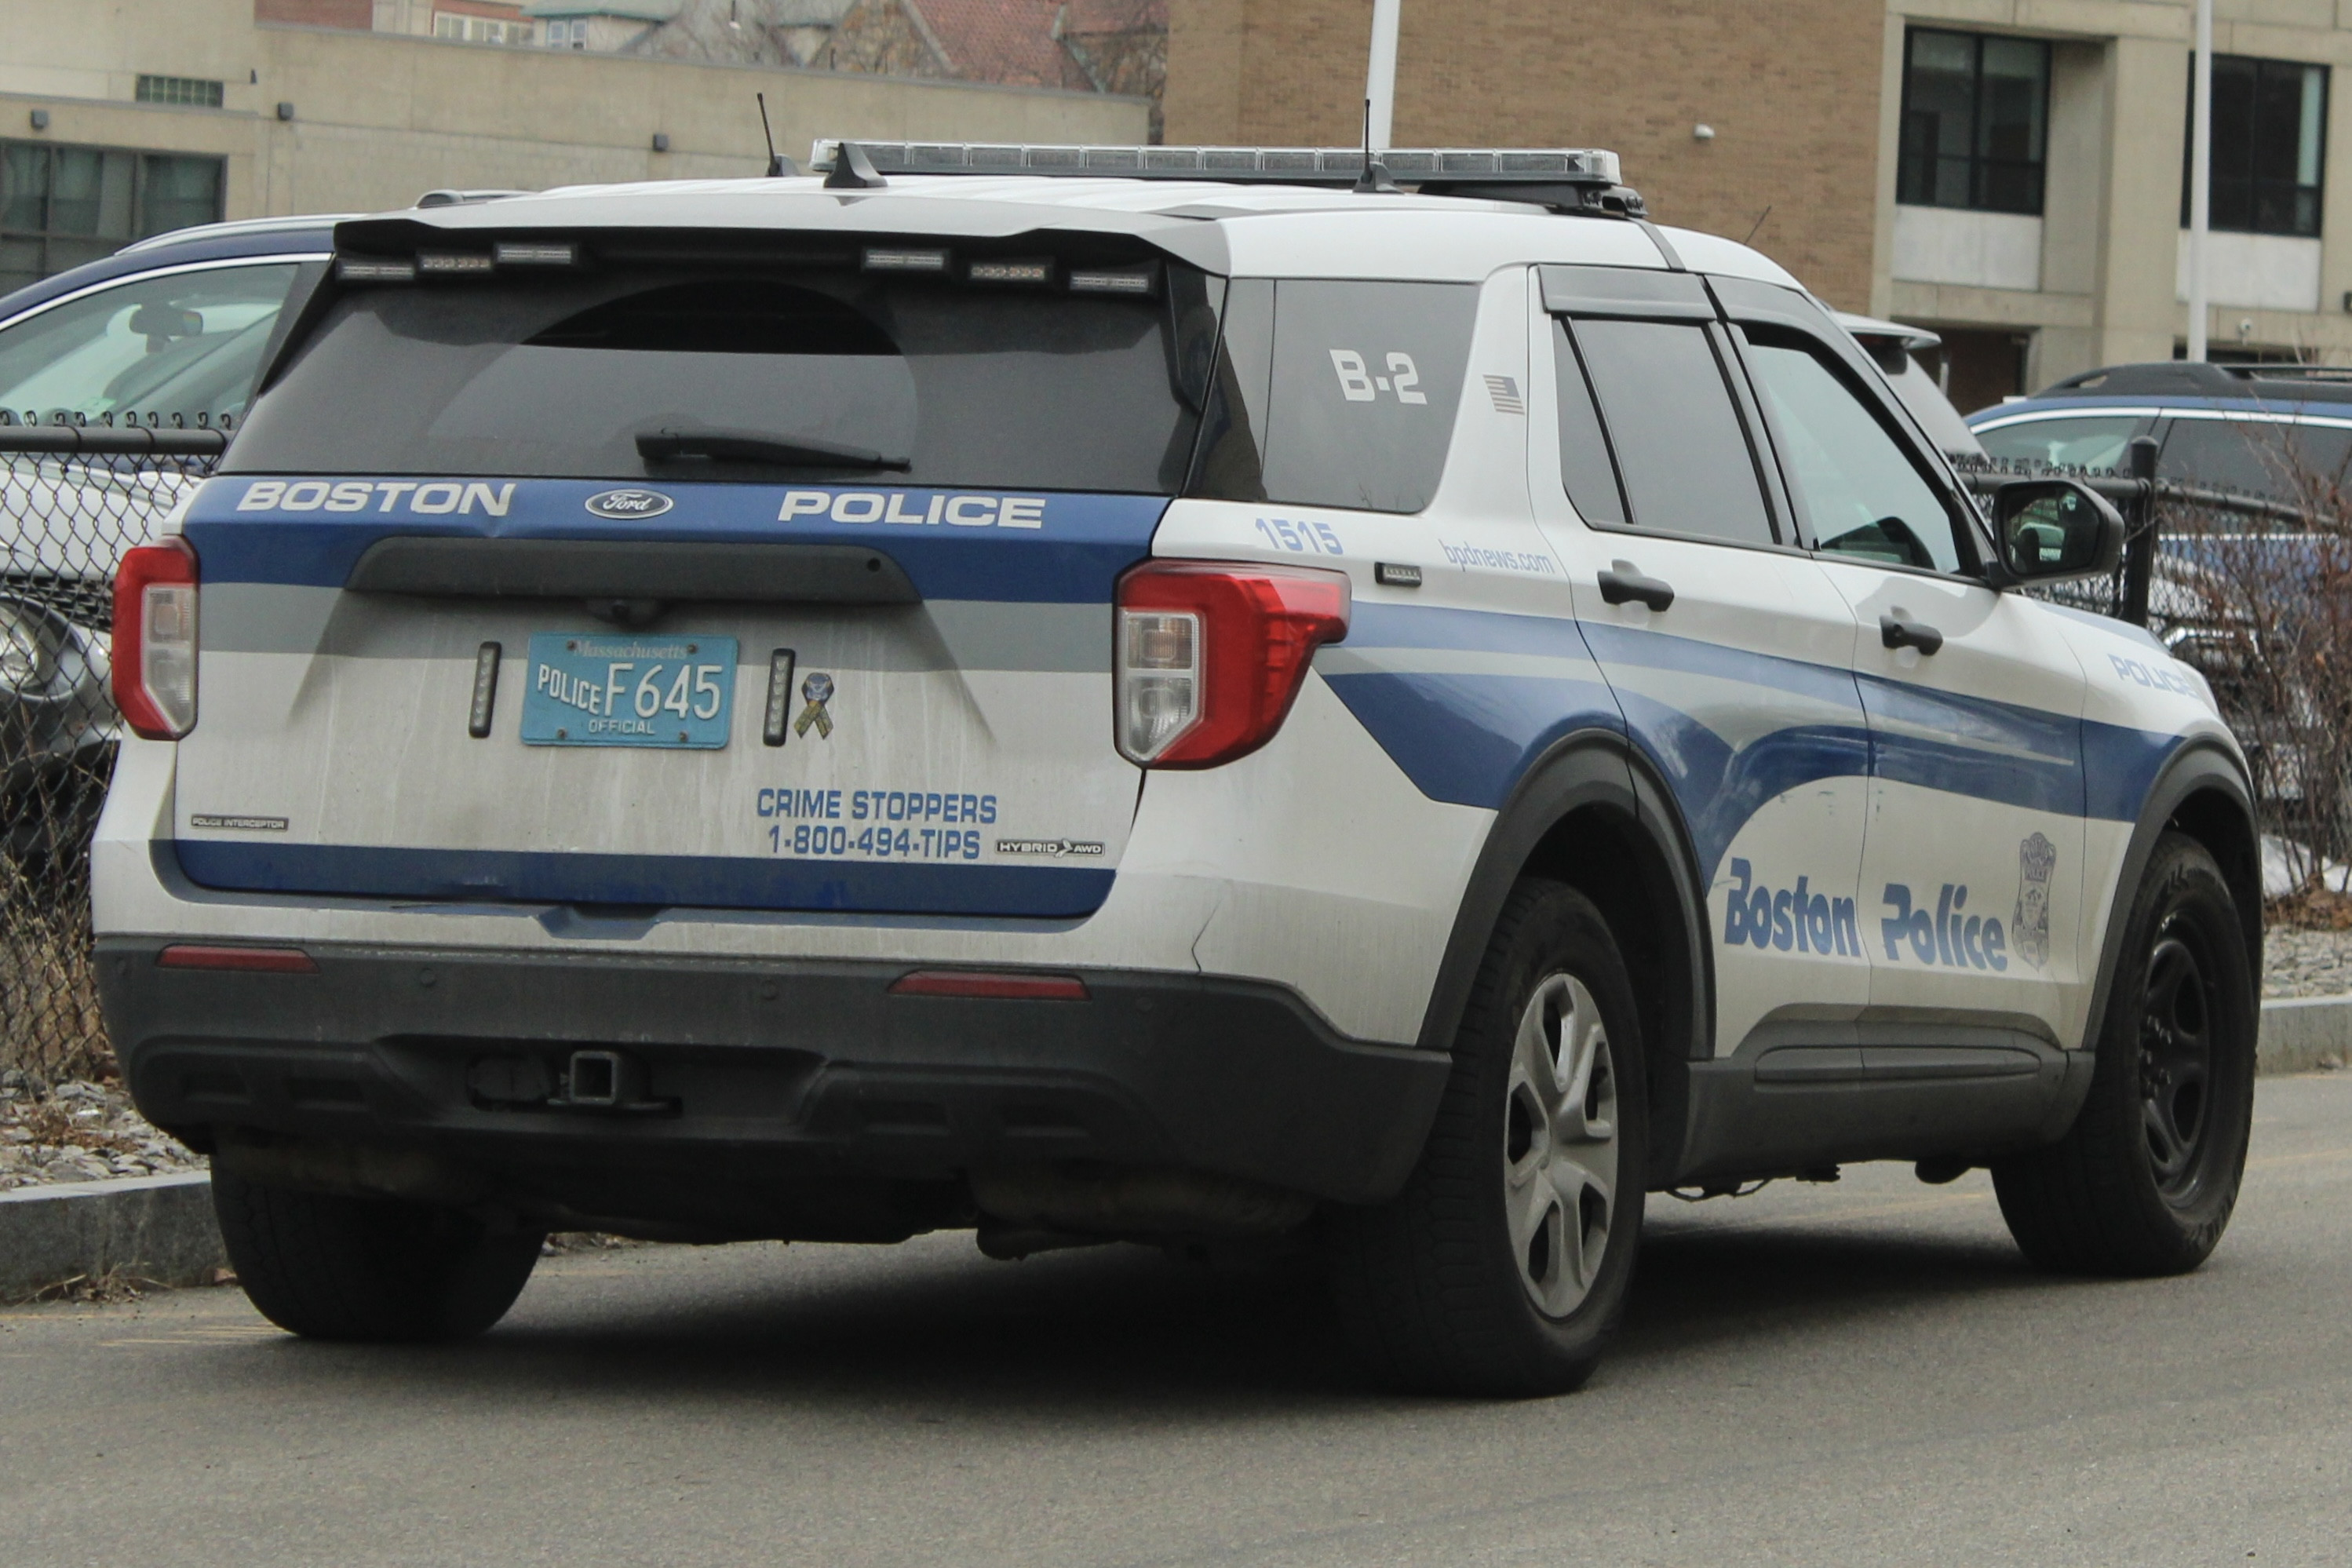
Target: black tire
(2145, 1181)
(1432, 1287)
(373, 1271)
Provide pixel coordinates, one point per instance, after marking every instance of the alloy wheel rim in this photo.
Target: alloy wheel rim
(2175, 1062)
(1559, 1144)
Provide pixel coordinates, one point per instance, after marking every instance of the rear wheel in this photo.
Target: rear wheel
(1502, 1267)
(382, 1270)
(2146, 1180)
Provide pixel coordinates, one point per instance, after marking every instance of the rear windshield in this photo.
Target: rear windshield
(746, 375)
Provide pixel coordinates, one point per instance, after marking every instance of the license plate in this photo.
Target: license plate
(593, 689)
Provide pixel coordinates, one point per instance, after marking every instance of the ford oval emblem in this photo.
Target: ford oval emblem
(623, 504)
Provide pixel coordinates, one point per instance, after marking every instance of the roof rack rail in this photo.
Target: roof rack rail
(2189, 378)
(1585, 178)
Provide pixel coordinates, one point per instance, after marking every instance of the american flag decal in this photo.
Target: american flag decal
(1505, 394)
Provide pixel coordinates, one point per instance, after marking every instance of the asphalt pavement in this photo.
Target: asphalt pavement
(1855, 1373)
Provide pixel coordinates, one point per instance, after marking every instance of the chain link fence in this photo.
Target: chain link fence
(72, 499)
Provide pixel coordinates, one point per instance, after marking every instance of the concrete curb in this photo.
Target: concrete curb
(159, 1229)
(2301, 1034)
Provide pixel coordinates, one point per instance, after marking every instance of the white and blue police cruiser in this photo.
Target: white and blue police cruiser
(1175, 694)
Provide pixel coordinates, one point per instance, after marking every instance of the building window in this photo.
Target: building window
(184, 89)
(570, 34)
(60, 207)
(479, 30)
(1976, 112)
(2270, 135)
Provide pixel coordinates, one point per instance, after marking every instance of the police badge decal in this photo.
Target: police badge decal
(2028, 929)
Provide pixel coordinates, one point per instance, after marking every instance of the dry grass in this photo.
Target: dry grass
(51, 1026)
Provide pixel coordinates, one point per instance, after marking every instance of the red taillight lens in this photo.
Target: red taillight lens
(247, 959)
(1210, 658)
(155, 639)
(1002, 987)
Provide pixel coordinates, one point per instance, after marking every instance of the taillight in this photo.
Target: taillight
(1210, 658)
(155, 639)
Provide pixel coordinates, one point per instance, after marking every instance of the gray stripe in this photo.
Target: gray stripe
(949, 634)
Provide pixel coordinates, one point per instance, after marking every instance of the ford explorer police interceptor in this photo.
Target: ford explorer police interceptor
(1173, 694)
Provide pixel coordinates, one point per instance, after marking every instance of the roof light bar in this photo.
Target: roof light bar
(374, 269)
(1273, 165)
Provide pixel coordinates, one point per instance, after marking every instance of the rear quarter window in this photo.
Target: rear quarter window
(1337, 394)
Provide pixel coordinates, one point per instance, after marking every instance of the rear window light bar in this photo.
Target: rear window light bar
(354, 268)
(1272, 165)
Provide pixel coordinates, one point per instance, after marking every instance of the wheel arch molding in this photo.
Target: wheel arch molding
(1592, 814)
(2203, 793)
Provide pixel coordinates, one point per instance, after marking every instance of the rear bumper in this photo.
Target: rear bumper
(792, 1073)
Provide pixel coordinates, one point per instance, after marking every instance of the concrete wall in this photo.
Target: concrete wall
(1789, 87)
(379, 118)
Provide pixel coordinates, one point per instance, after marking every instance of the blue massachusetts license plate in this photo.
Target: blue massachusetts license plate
(594, 689)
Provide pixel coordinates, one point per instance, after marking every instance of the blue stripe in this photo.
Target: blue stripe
(1464, 738)
(716, 882)
(1467, 738)
(1083, 543)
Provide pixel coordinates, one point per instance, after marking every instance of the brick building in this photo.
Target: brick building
(2010, 172)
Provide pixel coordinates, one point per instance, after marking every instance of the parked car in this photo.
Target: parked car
(2263, 431)
(169, 333)
(2273, 434)
(1201, 706)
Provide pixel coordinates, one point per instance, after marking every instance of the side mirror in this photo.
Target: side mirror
(2052, 530)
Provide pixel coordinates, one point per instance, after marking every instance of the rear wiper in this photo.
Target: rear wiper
(749, 446)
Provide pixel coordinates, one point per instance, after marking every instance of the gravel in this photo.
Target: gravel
(2306, 963)
(77, 1132)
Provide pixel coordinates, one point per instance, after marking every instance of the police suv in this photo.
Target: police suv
(1168, 694)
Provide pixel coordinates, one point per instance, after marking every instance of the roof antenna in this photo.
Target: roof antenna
(779, 166)
(1375, 179)
(853, 170)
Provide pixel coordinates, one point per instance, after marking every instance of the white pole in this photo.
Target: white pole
(2201, 177)
(1380, 78)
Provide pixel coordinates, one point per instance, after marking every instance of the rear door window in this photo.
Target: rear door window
(2272, 458)
(1682, 451)
(744, 374)
(1339, 394)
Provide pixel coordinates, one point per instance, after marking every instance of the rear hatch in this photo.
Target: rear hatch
(751, 582)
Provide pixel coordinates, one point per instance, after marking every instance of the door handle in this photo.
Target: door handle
(1618, 587)
(1896, 632)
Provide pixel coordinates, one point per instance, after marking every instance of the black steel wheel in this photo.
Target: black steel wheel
(2146, 1180)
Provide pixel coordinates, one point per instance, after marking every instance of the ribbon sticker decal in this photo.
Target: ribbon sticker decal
(818, 689)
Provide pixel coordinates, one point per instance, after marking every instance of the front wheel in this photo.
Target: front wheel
(1502, 1267)
(2144, 1182)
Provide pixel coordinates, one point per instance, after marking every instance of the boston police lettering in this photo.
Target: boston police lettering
(1795, 917)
